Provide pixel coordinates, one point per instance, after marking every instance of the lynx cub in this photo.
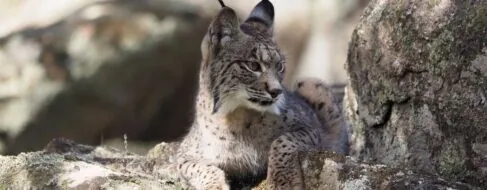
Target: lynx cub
(247, 125)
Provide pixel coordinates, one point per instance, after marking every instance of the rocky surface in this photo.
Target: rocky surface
(324, 170)
(418, 87)
(64, 164)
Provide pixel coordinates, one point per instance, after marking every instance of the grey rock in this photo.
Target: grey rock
(327, 170)
(418, 84)
(64, 164)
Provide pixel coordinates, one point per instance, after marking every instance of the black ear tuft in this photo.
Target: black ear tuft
(222, 3)
(263, 13)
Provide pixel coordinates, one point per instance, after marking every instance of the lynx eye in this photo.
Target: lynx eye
(253, 66)
(280, 67)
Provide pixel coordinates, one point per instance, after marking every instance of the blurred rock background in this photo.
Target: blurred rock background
(96, 71)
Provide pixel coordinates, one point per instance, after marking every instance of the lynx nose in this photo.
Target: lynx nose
(275, 92)
(271, 84)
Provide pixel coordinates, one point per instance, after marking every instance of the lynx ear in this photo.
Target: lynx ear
(222, 30)
(262, 17)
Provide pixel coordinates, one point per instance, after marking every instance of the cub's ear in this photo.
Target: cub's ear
(224, 28)
(262, 17)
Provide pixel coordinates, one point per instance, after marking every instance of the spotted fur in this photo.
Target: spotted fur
(248, 126)
(320, 96)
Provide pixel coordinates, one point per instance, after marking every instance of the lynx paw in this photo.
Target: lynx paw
(203, 176)
(213, 180)
(284, 170)
(285, 179)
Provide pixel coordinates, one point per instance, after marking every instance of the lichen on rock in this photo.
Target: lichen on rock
(418, 74)
(63, 164)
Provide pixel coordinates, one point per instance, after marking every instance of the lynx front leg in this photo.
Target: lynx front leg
(284, 170)
(203, 176)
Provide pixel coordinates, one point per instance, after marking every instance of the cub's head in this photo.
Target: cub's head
(241, 61)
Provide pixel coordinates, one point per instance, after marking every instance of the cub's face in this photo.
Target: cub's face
(242, 61)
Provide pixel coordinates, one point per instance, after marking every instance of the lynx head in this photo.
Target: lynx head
(242, 64)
